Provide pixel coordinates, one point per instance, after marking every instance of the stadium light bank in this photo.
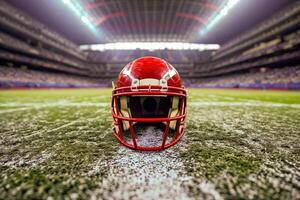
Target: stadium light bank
(151, 46)
(216, 17)
(80, 12)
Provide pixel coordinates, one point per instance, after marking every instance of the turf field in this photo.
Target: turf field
(239, 144)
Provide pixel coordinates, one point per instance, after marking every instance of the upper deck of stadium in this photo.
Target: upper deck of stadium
(38, 45)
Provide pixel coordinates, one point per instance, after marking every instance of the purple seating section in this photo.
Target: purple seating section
(20, 84)
(274, 86)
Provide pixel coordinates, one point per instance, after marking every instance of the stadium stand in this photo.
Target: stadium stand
(264, 78)
(13, 19)
(26, 42)
(12, 77)
(173, 56)
(275, 42)
(116, 59)
(272, 45)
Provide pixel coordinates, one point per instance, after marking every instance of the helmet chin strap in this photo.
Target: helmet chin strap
(149, 81)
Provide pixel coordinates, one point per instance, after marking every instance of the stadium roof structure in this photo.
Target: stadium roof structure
(181, 21)
(150, 20)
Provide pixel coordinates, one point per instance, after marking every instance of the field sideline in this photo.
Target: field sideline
(238, 144)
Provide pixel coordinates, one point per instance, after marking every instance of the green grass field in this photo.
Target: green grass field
(238, 144)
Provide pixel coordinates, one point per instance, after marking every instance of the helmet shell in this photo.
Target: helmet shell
(149, 68)
(144, 79)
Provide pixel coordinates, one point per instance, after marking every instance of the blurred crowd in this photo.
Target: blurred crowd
(262, 61)
(172, 56)
(275, 50)
(271, 77)
(14, 43)
(277, 78)
(22, 76)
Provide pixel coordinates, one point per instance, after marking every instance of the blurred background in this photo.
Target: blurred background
(212, 43)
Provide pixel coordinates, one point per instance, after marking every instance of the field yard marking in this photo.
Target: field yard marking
(39, 132)
(255, 104)
(209, 188)
(101, 104)
(71, 123)
(27, 162)
(146, 175)
(104, 135)
(63, 126)
(142, 175)
(96, 167)
(17, 161)
(53, 104)
(31, 106)
(14, 110)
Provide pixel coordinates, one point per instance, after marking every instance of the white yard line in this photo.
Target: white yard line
(26, 106)
(59, 127)
(85, 119)
(30, 106)
(14, 110)
(18, 161)
(147, 175)
(27, 161)
(64, 125)
(255, 104)
(52, 104)
(35, 133)
(209, 188)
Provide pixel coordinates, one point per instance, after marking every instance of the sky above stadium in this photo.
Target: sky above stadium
(55, 15)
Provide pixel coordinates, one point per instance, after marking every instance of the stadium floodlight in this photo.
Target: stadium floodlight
(151, 46)
(225, 8)
(81, 13)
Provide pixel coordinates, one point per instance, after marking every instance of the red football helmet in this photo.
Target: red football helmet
(149, 90)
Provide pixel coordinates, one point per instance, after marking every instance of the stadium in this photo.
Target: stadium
(236, 104)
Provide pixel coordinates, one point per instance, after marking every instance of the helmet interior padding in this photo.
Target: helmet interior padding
(149, 106)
